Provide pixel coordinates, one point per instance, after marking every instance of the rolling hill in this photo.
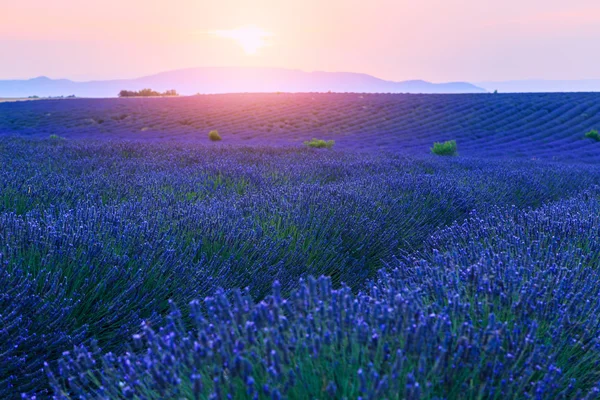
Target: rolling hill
(545, 126)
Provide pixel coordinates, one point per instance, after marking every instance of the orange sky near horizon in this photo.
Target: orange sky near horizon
(436, 40)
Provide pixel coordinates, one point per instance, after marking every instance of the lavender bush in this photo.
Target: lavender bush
(493, 316)
(96, 238)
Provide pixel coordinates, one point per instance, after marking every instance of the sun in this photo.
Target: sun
(251, 38)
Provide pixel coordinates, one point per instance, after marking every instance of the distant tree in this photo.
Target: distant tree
(147, 93)
(126, 93)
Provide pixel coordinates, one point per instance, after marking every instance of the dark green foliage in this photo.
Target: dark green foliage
(445, 149)
(214, 136)
(147, 93)
(593, 134)
(320, 143)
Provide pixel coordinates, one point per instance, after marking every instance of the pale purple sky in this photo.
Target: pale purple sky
(436, 40)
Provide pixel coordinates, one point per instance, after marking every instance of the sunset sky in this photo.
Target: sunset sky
(436, 40)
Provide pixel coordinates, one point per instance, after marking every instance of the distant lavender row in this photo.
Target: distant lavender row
(508, 309)
(550, 126)
(97, 237)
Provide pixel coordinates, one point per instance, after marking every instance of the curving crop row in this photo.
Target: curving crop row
(501, 306)
(97, 237)
(541, 125)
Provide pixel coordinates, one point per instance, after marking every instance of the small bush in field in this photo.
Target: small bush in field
(56, 138)
(320, 143)
(593, 134)
(444, 149)
(214, 136)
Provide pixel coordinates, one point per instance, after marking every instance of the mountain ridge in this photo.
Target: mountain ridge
(216, 80)
(542, 85)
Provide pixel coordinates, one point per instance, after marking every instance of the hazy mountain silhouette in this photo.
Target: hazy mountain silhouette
(230, 80)
(542, 86)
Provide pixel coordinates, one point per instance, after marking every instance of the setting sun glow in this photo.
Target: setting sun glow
(250, 38)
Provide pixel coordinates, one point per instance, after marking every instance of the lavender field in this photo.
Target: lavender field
(141, 260)
(544, 126)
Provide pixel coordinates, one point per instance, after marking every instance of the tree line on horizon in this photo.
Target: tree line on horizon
(147, 93)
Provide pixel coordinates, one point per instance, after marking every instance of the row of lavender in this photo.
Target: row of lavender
(545, 125)
(509, 307)
(96, 238)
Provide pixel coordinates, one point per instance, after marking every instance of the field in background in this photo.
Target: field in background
(542, 126)
(11, 100)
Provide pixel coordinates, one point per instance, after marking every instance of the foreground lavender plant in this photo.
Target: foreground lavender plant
(97, 237)
(503, 317)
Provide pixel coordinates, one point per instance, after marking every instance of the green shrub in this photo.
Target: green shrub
(593, 134)
(445, 149)
(56, 137)
(320, 143)
(214, 136)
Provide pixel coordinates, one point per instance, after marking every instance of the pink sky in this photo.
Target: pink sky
(436, 40)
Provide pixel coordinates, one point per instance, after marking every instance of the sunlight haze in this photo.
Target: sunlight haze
(434, 40)
(249, 38)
